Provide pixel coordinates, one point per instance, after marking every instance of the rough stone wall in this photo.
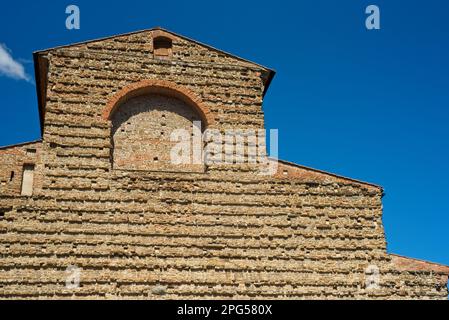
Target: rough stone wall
(12, 161)
(226, 232)
(142, 133)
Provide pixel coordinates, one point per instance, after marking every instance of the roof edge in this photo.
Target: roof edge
(328, 173)
(42, 51)
(147, 30)
(38, 80)
(271, 72)
(271, 75)
(21, 144)
(419, 264)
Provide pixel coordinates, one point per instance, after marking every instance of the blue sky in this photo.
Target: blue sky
(371, 105)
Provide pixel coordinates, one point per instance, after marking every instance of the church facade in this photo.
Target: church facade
(97, 208)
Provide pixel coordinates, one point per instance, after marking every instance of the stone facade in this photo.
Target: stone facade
(141, 131)
(106, 199)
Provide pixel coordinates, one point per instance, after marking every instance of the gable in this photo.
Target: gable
(141, 43)
(134, 51)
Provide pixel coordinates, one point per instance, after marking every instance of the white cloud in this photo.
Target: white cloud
(10, 67)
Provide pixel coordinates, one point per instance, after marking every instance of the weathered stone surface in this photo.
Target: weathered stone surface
(141, 229)
(141, 131)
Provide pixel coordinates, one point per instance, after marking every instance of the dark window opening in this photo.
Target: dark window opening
(162, 47)
(11, 177)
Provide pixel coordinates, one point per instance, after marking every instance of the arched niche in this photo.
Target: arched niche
(142, 131)
(143, 118)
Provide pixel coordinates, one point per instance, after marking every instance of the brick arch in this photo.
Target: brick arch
(159, 87)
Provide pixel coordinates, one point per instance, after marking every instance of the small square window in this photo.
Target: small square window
(162, 47)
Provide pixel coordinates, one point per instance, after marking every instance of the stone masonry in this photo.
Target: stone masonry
(98, 191)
